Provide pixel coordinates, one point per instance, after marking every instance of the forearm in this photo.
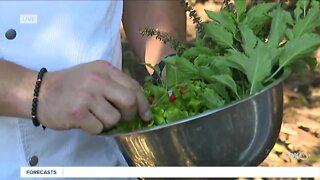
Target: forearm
(167, 16)
(16, 90)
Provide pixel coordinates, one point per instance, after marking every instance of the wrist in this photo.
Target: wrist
(19, 96)
(35, 100)
(48, 82)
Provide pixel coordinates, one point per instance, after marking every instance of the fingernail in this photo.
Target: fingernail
(147, 115)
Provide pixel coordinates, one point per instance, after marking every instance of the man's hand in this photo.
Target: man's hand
(90, 96)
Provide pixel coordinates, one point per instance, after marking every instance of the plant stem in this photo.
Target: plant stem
(276, 72)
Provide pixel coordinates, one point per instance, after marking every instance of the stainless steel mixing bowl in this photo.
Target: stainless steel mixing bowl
(240, 134)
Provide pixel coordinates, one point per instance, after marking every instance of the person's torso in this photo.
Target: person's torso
(64, 33)
(59, 34)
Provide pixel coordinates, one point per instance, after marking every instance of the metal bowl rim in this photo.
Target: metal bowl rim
(285, 74)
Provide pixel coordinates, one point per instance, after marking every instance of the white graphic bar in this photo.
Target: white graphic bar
(43, 172)
(170, 172)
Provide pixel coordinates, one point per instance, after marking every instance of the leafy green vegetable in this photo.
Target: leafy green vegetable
(186, 70)
(224, 18)
(219, 34)
(296, 49)
(174, 113)
(248, 37)
(309, 22)
(301, 8)
(278, 27)
(195, 51)
(258, 16)
(211, 99)
(228, 81)
(241, 7)
(237, 54)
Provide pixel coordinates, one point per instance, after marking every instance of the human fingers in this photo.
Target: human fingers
(105, 112)
(91, 124)
(125, 80)
(123, 98)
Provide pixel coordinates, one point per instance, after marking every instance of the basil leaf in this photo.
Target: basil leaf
(211, 99)
(219, 34)
(248, 37)
(237, 60)
(186, 69)
(257, 17)
(227, 81)
(193, 52)
(224, 18)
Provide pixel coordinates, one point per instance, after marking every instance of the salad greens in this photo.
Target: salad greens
(235, 55)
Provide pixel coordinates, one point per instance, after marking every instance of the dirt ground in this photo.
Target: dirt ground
(299, 140)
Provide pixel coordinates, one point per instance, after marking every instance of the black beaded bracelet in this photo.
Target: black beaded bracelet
(35, 98)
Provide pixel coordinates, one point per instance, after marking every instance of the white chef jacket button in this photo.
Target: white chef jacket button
(33, 161)
(11, 34)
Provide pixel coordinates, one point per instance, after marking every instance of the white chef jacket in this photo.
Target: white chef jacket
(57, 35)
